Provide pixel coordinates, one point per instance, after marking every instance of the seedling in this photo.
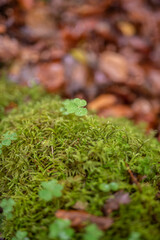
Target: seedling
(74, 106)
(50, 189)
(61, 229)
(104, 187)
(134, 236)
(92, 232)
(20, 236)
(113, 186)
(6, 139)
(7, 206)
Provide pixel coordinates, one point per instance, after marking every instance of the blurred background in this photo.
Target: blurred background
(104, 51)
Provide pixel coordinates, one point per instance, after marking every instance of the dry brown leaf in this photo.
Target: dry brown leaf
(79, 205)
(26, 4)
(9, 48)
(39, 23)
(114, 66)
(76, 75)
(126, 28)
(114, 203)
(51, 76)
(10, 106)
(2, 28)
(118, 110)
(80, 218)
(101, 102)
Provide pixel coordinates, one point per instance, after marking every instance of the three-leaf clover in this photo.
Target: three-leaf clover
(6, 139)
(7, 206)
(61, 229)
(21, 236)
(50, 189)
(134, 236)
(75, 106)
(92, 232)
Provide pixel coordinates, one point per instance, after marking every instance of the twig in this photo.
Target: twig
(133, 178)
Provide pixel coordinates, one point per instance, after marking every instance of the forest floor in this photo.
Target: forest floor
(107, 52)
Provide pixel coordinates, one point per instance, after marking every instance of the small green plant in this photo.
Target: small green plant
(134, 236)
(6, 139)
(104, 187)
(61, 229)
(113, 186)
(21, 235)
(92, 232)
(75, 106)
(7, 206)
(50, 189)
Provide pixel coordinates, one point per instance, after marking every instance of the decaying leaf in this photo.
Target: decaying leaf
(103, 101)
(114, 203)
(79, 205)
(114, 66)
(119, 110)
(9, 48)
(79, 219)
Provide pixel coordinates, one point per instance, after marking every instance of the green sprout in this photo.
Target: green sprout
(74, 106)
(7, 206)
(6, 139)
(61, 229)
(92, 232)
(134, 236)
(113, 186)
(104, 187)
(21, 236)
(50, 189)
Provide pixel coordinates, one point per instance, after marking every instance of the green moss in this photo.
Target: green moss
(81, 153)
(13, 95)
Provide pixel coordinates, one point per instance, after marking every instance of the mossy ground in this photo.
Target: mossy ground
(81, 153)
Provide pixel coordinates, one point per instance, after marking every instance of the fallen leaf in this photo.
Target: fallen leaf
(51, 76)
(9, 48)
(26, 4)
(79, 205)
(10, 106)
(101, 102)
(2, 28)
(114, 66)
(126, 28)
(3, 2)
(79, 219)
(118, 110)
(39, 23)
(114, 203)
(76, 75)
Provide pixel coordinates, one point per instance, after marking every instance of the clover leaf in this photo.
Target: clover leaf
(92, 232)
(6, 139)
(21, 236)
(10, 136)
(50, 189)
(7, 206)
(108, 187)
(61, 229)
(114, 186)
(134, 236)
(104, 187)
(74, 106)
